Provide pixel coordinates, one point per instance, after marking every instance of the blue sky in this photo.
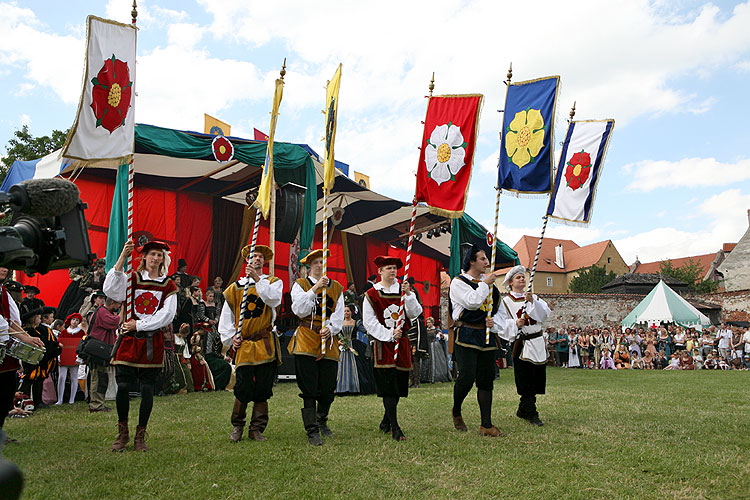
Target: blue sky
(674, 75)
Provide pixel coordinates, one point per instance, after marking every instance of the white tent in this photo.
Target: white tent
(664, 305)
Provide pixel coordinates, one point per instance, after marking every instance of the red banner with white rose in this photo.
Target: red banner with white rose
(104, 127)
(447, 152)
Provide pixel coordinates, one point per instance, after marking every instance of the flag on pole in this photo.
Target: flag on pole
(447, 152)
(526, 162)
(332, 109)
(214, 126)
(580, 167)
(263, 202)
(104, 126)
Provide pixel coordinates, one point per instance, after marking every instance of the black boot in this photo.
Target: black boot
(322, 418)
(385, 424)
(527, 410)
(309, 419)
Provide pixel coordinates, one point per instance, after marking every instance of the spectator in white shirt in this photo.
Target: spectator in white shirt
(725, 339)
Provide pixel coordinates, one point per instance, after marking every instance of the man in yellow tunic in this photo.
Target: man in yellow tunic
(316, 369)
(256, 350)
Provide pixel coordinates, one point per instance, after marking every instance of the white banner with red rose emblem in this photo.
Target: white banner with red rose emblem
(578, 171)
(104, 129)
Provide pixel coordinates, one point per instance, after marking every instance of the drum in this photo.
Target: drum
(24, 352)
(3, 350)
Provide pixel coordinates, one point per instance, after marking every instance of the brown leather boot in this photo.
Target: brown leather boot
(491, 432)
(258, 421)
(139, 441)
(239, 416)
(122, 436)
(458, 423)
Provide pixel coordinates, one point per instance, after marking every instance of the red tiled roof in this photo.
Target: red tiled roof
(653, 267)
(728, 247)
(575, 257)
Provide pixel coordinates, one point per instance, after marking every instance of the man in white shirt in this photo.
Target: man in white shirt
(724, 336)
(392, 351)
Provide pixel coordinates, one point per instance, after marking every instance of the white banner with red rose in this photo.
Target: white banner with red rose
(578, 171)
(104, 127)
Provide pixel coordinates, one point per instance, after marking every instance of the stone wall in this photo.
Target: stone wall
(582, 309)
(735, 306)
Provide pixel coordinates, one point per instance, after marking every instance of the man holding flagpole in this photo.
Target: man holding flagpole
(380, 315)
(256, 350)
(316, 370)
(470, 295)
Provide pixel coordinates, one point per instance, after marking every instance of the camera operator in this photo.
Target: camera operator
(10, 324)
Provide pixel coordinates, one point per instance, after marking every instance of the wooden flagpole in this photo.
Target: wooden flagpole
(497, 212)
(254, 240)
(401, 312)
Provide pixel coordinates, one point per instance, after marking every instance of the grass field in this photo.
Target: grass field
(608, 434)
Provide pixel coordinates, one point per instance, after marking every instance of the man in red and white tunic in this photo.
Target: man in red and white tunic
(380, 317)
(138, 354)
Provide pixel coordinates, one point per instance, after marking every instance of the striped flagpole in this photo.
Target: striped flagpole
(406, 273)
(492, 261)
(538, 250)
(253, 242)
(128, 294)
(324, 302)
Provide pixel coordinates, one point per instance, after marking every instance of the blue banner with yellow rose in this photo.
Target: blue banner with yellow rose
(526, 160)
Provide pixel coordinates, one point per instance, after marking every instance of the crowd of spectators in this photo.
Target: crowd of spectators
(669, 347)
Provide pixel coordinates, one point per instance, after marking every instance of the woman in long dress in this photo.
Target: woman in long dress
(573, 360)
(220, 368)
(348, 379)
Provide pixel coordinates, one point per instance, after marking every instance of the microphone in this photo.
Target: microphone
(43, 197)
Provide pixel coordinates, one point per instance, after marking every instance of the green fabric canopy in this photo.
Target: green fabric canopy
(291, 163)
(467, 230)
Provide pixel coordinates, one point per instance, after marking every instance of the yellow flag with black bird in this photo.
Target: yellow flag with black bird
(263, 202)
(331, 111)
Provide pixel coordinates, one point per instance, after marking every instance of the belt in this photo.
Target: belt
(473, 326)
(149, 336)
(521, 340)
(264, 335)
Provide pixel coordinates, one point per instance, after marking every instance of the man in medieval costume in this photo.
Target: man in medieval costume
(256, 348)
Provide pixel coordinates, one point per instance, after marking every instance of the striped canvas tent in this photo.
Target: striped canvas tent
(664, 305)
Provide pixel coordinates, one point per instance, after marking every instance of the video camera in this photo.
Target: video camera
(48, 228)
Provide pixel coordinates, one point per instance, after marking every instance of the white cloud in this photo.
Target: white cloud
(25, 119)
(727, 216)
(49, 59)
(743, 66)
(688, 172)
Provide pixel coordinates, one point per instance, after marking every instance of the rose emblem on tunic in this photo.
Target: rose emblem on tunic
(390, 316)
(578, 169)
(111, 93)
(146, 303)
(445, 153)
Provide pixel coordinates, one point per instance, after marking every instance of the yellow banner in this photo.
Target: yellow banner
(362, 179)
(263, 202)
(215, 126)
(331, 111)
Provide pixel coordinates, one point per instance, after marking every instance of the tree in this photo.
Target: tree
(591, 280)
(24, 146)
(691, 272)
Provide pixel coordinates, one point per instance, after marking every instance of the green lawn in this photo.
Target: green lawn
(608, 434)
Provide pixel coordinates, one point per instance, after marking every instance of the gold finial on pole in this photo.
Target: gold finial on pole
(572, 112)
(432, 84)
(134, 12)
(510, 74)
(283, 69)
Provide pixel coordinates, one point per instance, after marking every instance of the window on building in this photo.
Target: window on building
(549, 281)
(609, 260)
